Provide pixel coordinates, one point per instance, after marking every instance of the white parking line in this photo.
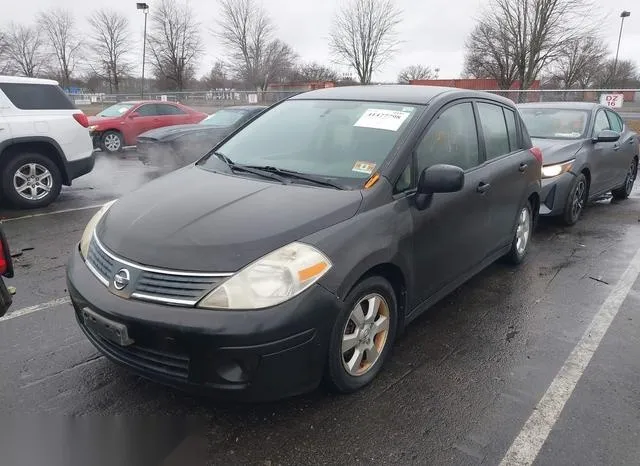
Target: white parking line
(38, 307)
(42, 214)
(527, 445)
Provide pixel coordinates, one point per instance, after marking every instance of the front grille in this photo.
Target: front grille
(174, 286)
(173, 364)
(151, 284)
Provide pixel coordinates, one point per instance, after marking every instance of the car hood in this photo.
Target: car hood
(171, 132)
(557, 150)
(197, 220)
(97, 120)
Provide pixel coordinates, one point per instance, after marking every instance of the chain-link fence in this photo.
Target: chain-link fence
(624, 100)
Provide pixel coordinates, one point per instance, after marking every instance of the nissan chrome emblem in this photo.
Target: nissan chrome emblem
(121, 279)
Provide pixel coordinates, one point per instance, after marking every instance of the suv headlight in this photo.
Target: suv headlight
(91, 226)
(273, 279)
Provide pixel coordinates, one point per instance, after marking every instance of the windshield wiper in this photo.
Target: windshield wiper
(319, 180)
(243, 168)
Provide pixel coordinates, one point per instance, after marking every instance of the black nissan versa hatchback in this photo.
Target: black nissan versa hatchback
(298, 248)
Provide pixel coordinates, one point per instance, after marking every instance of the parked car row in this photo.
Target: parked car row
(299, 247)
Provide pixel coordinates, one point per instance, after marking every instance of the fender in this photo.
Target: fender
(61, 161)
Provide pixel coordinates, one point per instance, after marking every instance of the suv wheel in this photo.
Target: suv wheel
(112, 142)
(362, 335)
(31, 180)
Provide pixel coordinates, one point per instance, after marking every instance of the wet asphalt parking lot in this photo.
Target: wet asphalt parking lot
(534, 365)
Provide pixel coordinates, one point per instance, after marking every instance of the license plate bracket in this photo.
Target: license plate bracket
(107, 328)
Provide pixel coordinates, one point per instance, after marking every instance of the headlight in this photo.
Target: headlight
(91, 226)
(549, 171)
(93, 128)
(271, 280)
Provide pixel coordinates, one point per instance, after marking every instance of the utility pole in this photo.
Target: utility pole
(145, 9)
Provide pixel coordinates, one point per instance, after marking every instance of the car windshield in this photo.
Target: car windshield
(115, 110)
(224, 117)
(345, 141)
(553, 123)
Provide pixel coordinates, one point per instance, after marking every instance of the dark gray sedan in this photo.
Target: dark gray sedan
(172, 147)
(587, 150)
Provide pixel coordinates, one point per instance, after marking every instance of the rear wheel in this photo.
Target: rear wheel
(362, 335)
(31, 180)
(576, 200)
(112, 141)
(522, 235)
(624, 191)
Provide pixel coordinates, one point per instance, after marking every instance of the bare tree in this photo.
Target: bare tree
(490, 54)
(25, 50)
(4, 59)
(255, 56)
(58, 26)
(364, 35)
(218, 77)
(414, 72)
(527, 34)
(309, 72)
(110, 43)
(579, 60)
(175, 43)
(626, 75)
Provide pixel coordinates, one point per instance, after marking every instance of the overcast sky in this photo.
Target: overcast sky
(433, 31)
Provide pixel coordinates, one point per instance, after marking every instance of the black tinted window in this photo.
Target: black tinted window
(451, 139)
(615, 121)
(510, 116)
(494, 129)
(148, 110)
(37, 96)
(164, 109)
(601, 123)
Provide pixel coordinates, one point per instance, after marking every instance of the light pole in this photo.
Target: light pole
(623, 15)
(145, 9)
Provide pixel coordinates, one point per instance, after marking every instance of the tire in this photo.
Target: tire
(338, 378)
(111, 142)
(576, 200)
(521, 236)
(624, 191)
(41, 176)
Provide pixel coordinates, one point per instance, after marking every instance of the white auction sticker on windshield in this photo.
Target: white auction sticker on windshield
(364, 167)
(390, 120)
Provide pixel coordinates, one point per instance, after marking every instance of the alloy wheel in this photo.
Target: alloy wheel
(523, 232)
(578, 199)
(365, 334)
(631, 176)
(112, 142)
(33, 181)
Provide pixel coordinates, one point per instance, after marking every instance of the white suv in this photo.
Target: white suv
(44, 141)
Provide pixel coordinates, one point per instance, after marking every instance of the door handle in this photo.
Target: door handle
(483, 187)
(523, 167)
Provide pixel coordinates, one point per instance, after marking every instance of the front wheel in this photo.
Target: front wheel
(362, 336)
(575, 201)
(522, 235)
(112, 142)
(625, 191)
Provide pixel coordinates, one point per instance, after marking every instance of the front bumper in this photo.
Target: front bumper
(554, 194)
(244, 355)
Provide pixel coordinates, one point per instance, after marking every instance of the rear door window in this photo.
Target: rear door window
(27, 96)
(510, 117)
(494, 129)
(615, 121)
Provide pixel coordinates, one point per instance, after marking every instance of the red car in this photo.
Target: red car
(119, 125)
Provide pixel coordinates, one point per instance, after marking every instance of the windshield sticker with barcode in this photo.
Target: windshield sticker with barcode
(390, 120)
(364, 167)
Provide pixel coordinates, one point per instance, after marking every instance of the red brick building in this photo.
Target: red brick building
(475, 84)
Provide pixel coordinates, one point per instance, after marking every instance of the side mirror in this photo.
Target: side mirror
(440, 178)
(606, 136)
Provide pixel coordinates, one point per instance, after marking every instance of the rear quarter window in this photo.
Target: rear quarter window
(26, 96)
